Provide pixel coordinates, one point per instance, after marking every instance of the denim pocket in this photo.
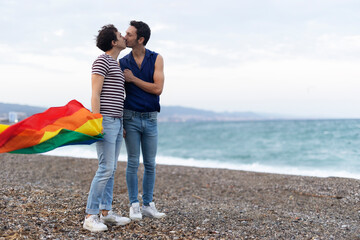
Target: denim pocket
(108, 119)
(127, 116)
(153, 120)
(153, 117)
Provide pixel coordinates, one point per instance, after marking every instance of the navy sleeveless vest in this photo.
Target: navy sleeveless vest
(137, 99)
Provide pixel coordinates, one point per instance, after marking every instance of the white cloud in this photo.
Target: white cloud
(59, 32)
(339, 46)
(300, 86)
(44, 80)
(274, 56)
(160, 27)
(87, 50)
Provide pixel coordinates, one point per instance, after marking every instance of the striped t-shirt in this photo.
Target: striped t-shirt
(113, 91)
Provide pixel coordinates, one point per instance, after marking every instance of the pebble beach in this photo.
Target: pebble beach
(44, 197)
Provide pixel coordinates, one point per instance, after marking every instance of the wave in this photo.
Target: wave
(90, 152)
(257, 167)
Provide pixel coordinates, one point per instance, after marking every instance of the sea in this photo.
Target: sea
(321, 148)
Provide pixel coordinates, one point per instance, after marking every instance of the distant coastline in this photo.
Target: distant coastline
(167, 114)
(170, 114)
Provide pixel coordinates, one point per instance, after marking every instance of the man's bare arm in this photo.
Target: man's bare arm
(159, 77)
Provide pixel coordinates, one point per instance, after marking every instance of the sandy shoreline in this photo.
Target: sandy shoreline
(44, 197)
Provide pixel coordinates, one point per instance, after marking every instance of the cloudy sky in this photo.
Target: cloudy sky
(298, 58)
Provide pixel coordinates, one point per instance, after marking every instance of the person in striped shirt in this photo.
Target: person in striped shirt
(107, 98)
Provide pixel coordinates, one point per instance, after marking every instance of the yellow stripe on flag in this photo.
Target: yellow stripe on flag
(3, 127)
(47, 135)
(92, 127)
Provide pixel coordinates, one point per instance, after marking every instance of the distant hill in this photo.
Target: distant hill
(167, 114)
(29, 110)
(23, 111)
(184, 114)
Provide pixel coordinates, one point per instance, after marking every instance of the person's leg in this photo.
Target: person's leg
(106, 155)
(132, 126)
(107, 197)
(149, 147)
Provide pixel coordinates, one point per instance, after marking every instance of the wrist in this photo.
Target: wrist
(133, 79)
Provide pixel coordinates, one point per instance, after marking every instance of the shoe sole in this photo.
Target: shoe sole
(122, 224)
(151, 216)
(92, 230)
(115, 224)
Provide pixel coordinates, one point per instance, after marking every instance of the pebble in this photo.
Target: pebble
(43, 198)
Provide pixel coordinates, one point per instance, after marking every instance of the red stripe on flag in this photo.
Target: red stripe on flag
(38, 121)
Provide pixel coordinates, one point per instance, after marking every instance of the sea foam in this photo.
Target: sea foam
(90, 152)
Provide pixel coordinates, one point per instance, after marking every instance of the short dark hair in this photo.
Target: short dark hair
(106, 35)
(142, 30)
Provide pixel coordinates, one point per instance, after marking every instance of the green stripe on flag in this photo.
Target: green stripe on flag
(65, 137)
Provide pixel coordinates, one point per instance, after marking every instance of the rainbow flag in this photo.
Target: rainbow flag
(56, 127)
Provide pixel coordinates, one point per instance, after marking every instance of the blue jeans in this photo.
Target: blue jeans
(108, 150)
(141, 131)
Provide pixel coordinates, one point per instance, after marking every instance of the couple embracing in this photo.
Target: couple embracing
(140, 76)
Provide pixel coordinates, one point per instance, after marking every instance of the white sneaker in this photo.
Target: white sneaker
(114, 219)
(93, 224)
(135, 213)
(151, 211)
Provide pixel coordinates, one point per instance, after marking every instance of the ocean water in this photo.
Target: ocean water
(319, 148)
